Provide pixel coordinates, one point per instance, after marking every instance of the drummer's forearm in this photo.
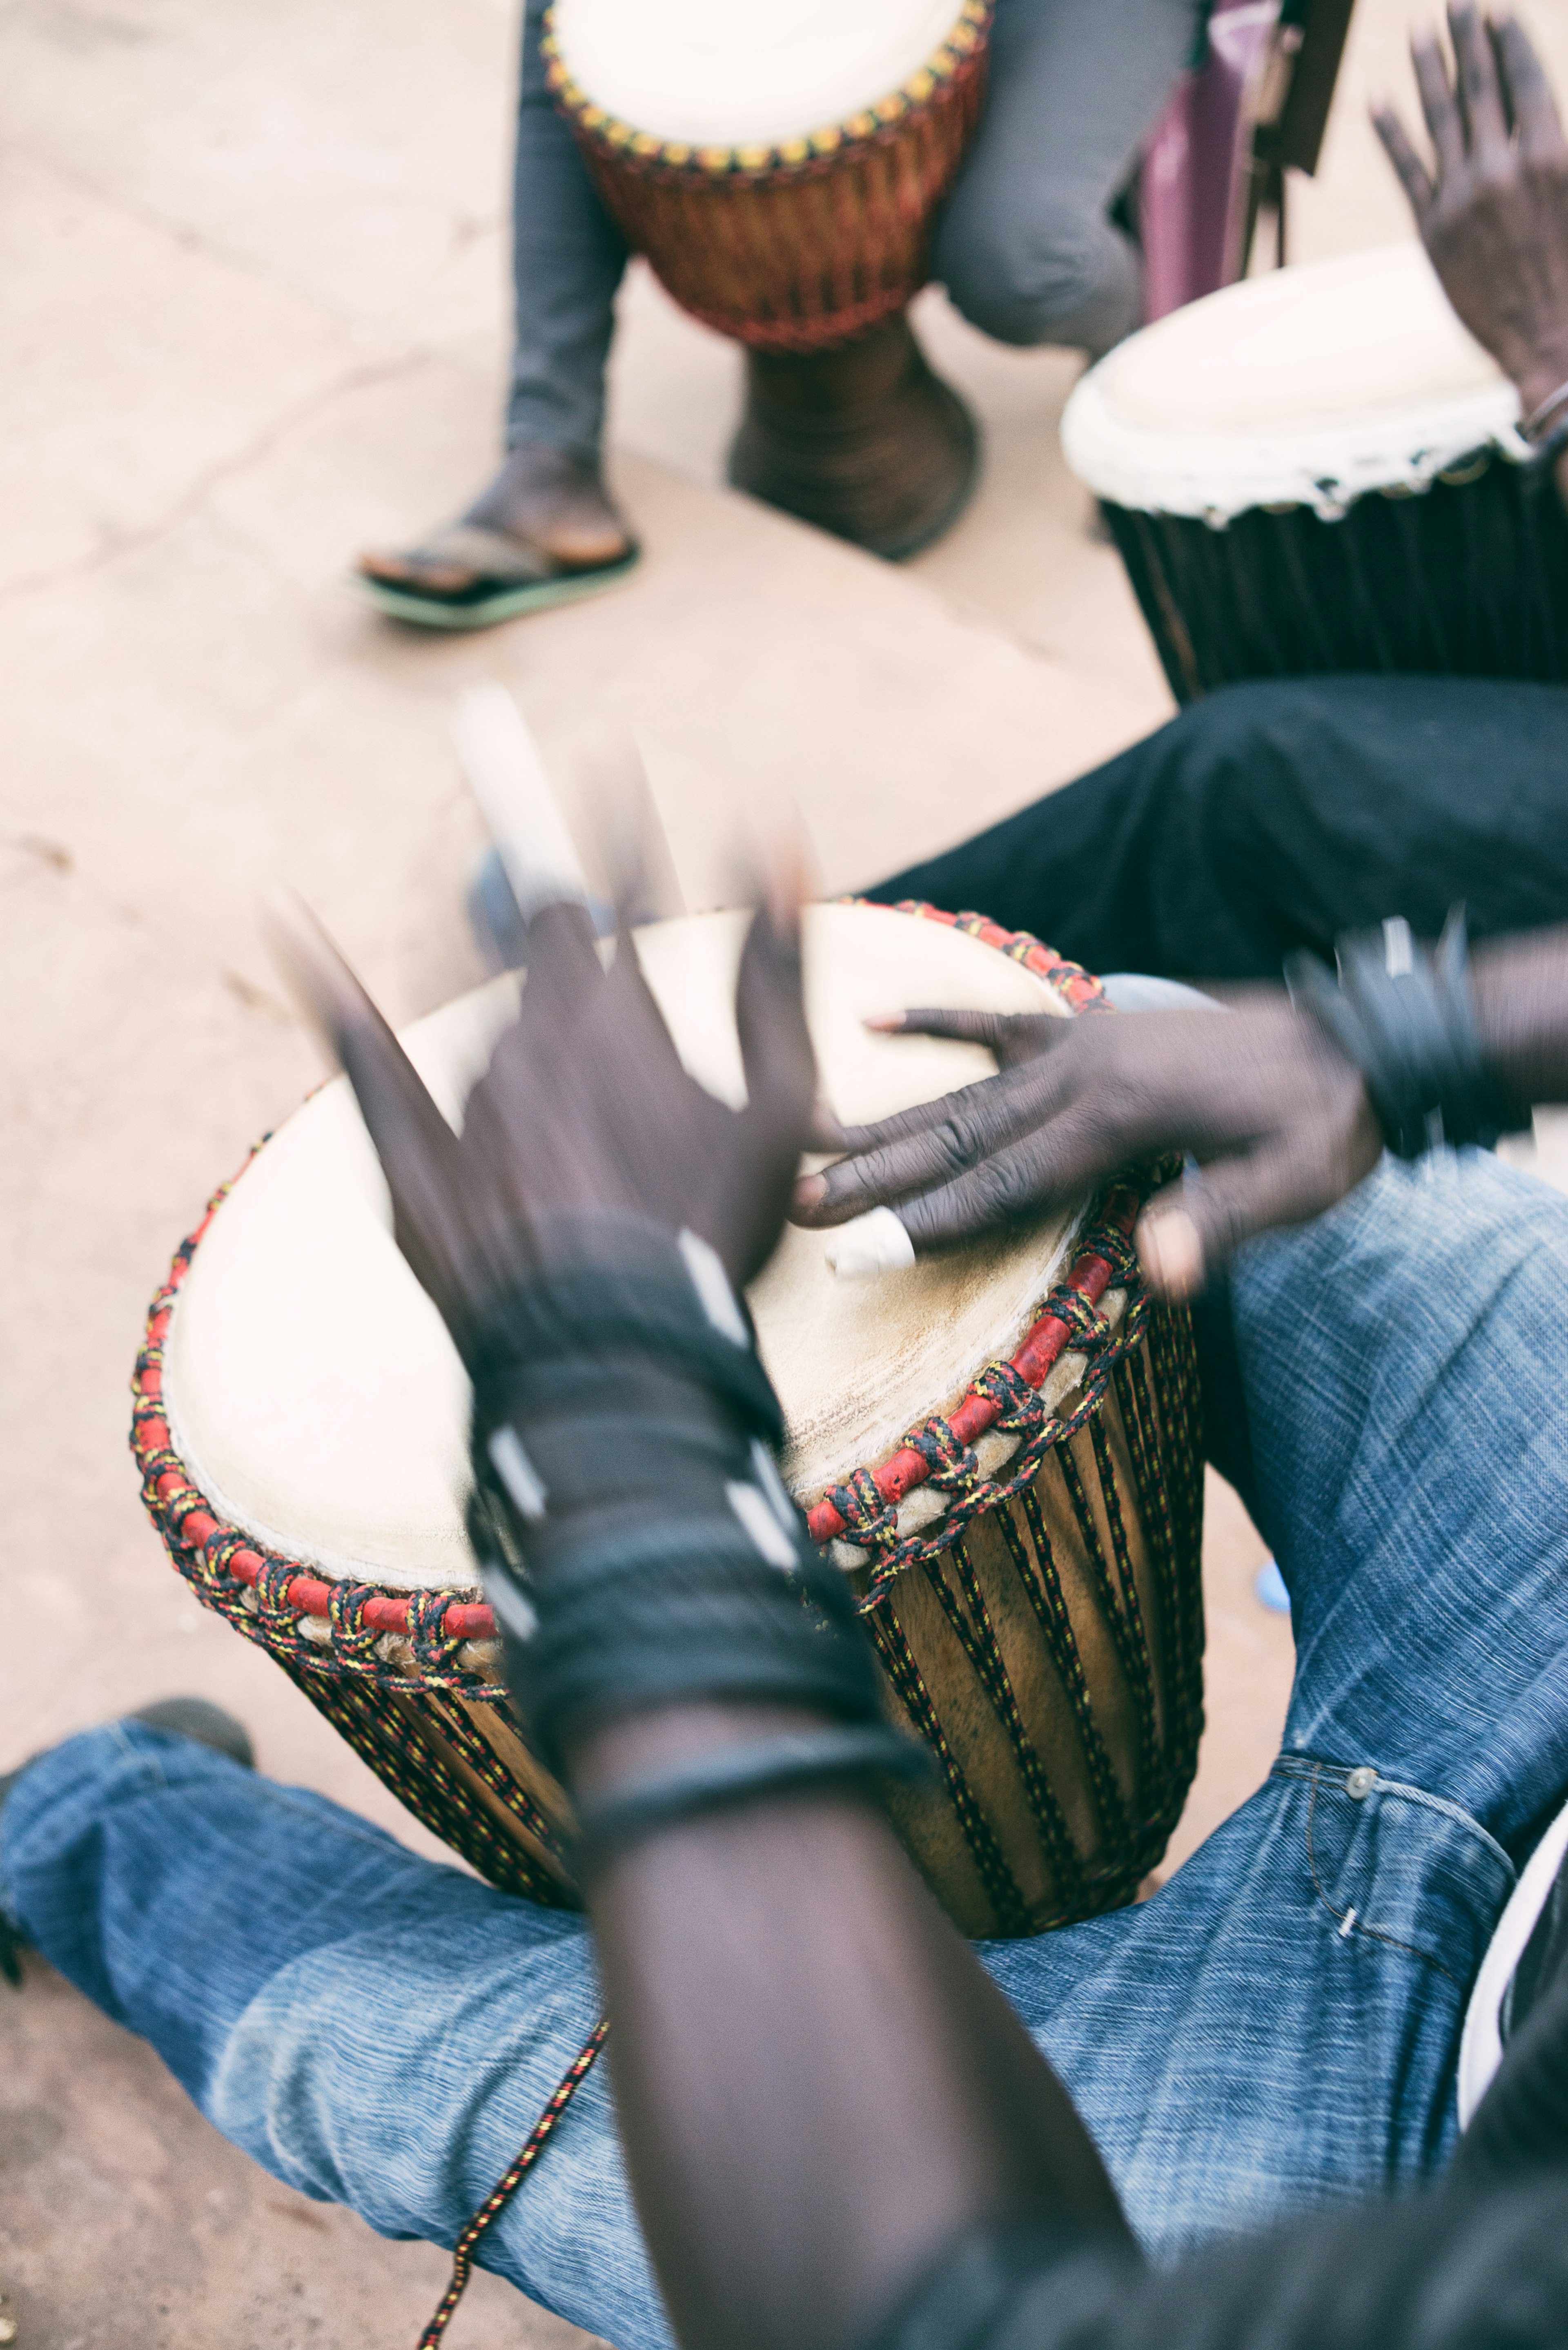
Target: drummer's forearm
(818, 2086)
(1521, 997)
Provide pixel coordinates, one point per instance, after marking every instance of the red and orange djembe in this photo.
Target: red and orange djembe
(781, 166)
(998, 1446)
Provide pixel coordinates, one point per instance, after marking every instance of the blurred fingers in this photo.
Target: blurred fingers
(961, 1027)
(1480, 94)
(1188, 1229)
(1412, 174)
(627, 831)
(418, 1151)
(509, 779)
(1527, 89)
(1439, 104)
(1011, 1037)
(777, 1056)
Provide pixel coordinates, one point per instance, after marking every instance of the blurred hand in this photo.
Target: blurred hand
(1278, 1120)
(1492, 208)
(585, 1109)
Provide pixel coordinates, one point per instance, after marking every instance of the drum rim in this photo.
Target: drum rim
(961, 53)
(1215, 475)
(266, 1595)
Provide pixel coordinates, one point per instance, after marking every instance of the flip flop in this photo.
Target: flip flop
(493, 576)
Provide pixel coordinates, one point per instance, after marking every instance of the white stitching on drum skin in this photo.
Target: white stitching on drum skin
(517, 1473)
(711, 1283)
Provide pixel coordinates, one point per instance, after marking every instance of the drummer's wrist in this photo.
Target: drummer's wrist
(641, 1776)
(605, 1755)
(1409, 1017)
(1521, 990)
(1546, 374)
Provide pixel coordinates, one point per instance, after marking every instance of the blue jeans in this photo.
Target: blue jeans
(1024, 246)
(1276, 2029)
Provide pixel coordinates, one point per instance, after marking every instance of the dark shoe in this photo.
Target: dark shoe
(542, 532)
(207, 1724)
(863, 439)
(184, 1717)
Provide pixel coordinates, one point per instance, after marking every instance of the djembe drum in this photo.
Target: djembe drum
(999, 1445)
(1319, 471)
(780, 165)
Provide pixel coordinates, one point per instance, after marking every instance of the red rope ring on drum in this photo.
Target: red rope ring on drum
(271, 1599)
(265, 1597)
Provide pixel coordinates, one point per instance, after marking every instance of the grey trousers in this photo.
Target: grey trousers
(1025, 245)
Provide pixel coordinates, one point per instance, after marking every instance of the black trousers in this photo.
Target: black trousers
(1274, 815)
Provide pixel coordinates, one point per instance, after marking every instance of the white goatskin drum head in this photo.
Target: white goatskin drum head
(732, 73)
(311, 1387)
(1306, 386)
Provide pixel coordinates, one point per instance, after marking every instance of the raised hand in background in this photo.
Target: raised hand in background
(1491, 205)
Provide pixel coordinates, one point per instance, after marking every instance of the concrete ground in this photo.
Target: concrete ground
(252, 305)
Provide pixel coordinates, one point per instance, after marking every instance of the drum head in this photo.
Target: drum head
(1306, 386)
(709, 73)
(312, 1390)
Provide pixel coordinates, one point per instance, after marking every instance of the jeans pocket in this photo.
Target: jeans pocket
(1399, 1866)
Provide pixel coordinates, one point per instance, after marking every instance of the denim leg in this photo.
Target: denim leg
(1025, 246)
(1277, 2029)
(567, 258)
(1280, 2025)
(1406, 1363)
(371, 2028)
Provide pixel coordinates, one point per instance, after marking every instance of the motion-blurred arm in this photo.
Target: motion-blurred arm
(818, 2086)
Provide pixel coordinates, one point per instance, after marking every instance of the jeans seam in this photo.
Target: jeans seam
(1374, 1933)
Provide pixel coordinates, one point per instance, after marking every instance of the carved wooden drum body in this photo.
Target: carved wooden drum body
(779, 164)
(998, 1446)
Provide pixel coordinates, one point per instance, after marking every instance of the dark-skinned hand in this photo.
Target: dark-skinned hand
(1277, 1119)
(584, 1109)
(1492, 203)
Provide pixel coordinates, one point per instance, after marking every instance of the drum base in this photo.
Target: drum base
(863, 439)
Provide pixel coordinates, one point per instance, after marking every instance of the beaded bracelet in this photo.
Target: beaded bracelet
(1406, 1017)
(744, 1774)
(1534, 424)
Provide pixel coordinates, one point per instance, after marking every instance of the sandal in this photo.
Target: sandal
(471, 576)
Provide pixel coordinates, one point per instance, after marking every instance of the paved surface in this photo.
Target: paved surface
(251, 260)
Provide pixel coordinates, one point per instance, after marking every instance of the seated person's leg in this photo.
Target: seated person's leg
(1280, 2026)
(568, 260)
(1026, 246)
(372, 2029)
(544, 526)
(1273, 815)
(1406, 1366)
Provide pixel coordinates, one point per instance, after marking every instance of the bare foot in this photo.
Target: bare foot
(550, 504)
(555, 502)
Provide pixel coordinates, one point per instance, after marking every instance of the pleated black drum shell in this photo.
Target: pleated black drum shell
(1466, 578)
